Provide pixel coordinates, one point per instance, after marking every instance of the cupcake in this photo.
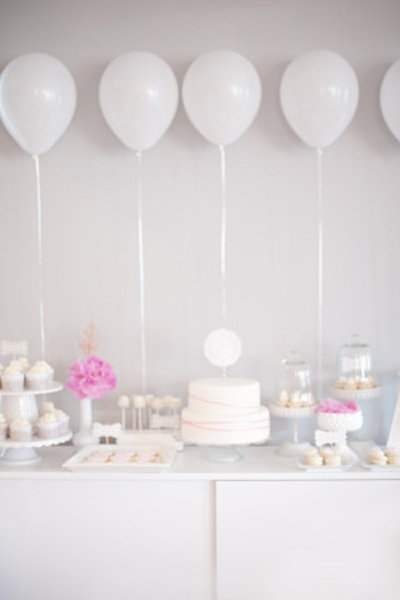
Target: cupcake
(12, 379)
(63, 422)
(48, 426)
(24, 364)
(40, 376)
(3, 427)
(47, 407)
(20, 430)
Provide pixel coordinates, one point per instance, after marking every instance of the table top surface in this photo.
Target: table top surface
(258, 463)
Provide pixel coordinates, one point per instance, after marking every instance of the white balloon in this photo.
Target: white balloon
(221, 94)
(138, 97)
(390, 98)
(319, 96)
(37, 100)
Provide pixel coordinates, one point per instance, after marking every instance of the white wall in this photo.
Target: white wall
(89, 201)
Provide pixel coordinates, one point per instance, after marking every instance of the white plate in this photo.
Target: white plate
(347, 394)
(349, 459)
(151, 458)
(362, 449)
(55, 386)
(36, 442)
(292, 413)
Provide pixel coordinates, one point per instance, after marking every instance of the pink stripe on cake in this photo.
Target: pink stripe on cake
(206, 426)
(217, 403)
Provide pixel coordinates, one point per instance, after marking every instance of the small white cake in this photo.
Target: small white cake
(223, 411)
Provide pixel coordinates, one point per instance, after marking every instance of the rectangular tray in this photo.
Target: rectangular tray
(140, 457)
(349, 459)
(362, 448)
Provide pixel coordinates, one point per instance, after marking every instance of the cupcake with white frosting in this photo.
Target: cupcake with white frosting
(40, 376)
(63, 422)
(3, 427)
(48, 426)
(12, 379)
(47, 406)
(20, 430)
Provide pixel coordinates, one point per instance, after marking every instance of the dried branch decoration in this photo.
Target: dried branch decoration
(89, 339)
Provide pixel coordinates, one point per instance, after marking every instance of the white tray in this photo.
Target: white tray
(349, 459)
(362, 449)
(55, 386)
(145, 452)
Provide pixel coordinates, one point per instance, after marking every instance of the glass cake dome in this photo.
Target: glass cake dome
(355, 366)
(295, 385)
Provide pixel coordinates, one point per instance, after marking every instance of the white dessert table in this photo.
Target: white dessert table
(202, 531)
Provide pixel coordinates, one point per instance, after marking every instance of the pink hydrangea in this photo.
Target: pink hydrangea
(90, 378)
(336, 406)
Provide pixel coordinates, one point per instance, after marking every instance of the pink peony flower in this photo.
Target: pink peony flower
(90, 378)
(336, 406)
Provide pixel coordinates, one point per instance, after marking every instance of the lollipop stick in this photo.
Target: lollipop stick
(296, 432)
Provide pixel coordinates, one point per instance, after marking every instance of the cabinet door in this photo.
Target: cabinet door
(95, 540)
(312, 540)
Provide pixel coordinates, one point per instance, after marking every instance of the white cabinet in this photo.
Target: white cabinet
(260, 529)
(308, 540)
(77, 539)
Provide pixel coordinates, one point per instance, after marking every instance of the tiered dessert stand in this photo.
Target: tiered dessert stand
(23, 405)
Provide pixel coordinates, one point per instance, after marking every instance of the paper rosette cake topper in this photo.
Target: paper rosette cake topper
(222, 347)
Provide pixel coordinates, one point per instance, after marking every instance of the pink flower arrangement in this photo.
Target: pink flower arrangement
(335, 406)
(91, 377)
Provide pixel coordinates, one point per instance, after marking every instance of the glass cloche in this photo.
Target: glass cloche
(295, 387)
(355, 366)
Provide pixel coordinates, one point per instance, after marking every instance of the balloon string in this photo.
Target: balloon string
(40, 254)
(320, 270)
(223, 236)
(141, 269)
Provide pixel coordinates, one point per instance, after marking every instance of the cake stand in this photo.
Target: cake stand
(351, 394)
(223, 454)
(23, 405)
(295, 447)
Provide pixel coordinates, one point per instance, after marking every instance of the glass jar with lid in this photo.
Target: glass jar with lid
(355, 366)
(295, 386)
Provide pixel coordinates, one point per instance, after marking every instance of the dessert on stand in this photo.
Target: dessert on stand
(355, 366)
(224, 412)
(336, 415)
(22, 428)
(295, 399)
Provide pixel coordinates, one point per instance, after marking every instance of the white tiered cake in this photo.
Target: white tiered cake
(224, 411)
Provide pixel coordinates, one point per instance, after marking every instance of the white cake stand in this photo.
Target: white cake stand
(294, 447)
(223, 454)
(23, 405)
(348, 394)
